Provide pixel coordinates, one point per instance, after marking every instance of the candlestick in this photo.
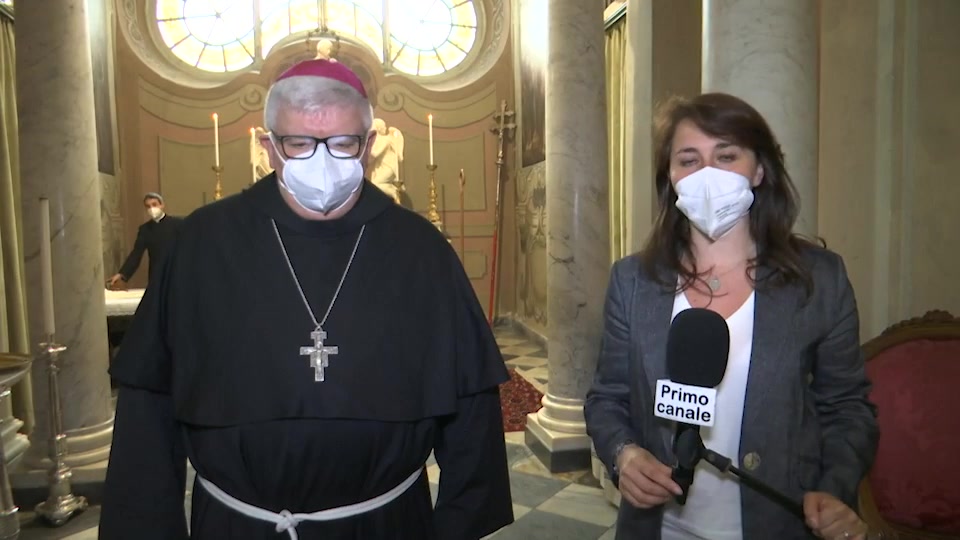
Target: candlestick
(432, 214)
(463, 225)
(216, 139)
(430, 134)
(46, 268)
(218, 187)
(253, 155)
(61, 503)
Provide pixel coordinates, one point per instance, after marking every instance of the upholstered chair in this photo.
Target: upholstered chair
(913, 489)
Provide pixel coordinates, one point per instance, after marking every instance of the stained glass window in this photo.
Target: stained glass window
(429, 37)
(426, 37)
(213, 35)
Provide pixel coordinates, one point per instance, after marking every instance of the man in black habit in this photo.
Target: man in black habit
(153, 237)
(306, 385)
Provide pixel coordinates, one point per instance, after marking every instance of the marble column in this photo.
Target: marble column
(766, 52)
(58, 161)
(578, 247)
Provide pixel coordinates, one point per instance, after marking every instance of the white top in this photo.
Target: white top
(712, 511)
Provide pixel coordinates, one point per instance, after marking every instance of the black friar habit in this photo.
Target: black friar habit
(211, 370)
(153, 237)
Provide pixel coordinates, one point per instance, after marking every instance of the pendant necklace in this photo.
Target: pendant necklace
(318, 352)
(713, 282)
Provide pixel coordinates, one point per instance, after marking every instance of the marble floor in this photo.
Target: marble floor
(546, 506)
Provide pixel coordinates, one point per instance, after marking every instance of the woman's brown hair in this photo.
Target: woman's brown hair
(775, 207)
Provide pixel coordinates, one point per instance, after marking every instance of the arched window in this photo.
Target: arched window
(416, 37)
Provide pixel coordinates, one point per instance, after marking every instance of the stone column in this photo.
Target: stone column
(766, 53)
(578, 247)
(58, 160)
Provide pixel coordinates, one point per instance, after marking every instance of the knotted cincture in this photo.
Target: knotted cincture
(288, 523)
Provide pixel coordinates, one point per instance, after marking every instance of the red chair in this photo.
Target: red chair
(913, 489)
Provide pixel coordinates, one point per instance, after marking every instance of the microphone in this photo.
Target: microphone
(698, 345)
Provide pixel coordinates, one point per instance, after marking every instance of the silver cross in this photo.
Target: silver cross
(319, 353)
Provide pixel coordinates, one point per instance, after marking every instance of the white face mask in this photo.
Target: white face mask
(155, 212)
(714, 200)
(321, 183)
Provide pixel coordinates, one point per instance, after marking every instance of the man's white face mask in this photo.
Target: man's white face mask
(321, 183)
(714, 200)
(155, 212)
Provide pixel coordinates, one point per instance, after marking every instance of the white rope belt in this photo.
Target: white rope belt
(287, 521)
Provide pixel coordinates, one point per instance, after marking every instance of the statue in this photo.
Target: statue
(385, 159)
(326, 50)
(261, 159)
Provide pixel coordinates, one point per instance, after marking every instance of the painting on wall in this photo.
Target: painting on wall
(100, 58)
(532, 74)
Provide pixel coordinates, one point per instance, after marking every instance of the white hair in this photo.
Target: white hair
(309, 94)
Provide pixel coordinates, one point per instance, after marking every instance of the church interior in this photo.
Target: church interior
(521, 129)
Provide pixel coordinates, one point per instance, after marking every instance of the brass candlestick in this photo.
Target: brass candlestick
(463, 225)
(61, 503)
(432, 213)
(218, 189)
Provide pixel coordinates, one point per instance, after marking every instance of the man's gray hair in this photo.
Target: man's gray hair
(307, 94)
(153, 195)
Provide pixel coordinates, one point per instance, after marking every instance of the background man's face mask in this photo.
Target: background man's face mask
(714, 200)
(321, 183)
(155, 212)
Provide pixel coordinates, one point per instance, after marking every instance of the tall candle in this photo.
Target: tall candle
(216, 139)
(46, 269)
(253, 154)
(430, 131)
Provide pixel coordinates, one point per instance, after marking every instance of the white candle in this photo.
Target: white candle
(46, 269)
(253, 154)
(216, 139)
(430, 131)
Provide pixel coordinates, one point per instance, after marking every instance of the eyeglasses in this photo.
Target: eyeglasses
(304, 147)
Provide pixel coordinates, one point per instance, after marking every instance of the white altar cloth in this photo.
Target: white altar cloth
(122, 303)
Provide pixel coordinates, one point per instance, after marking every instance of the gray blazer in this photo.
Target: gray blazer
(807, 423)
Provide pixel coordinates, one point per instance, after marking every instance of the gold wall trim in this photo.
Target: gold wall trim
(477, 107)
(475, 264)
(184, 111)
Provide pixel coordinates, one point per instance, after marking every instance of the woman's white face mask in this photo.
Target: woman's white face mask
(714, 200)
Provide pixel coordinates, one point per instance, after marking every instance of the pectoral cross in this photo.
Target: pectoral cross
(319, 353)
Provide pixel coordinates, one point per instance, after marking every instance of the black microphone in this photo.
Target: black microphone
(698, 346)
(725, 464)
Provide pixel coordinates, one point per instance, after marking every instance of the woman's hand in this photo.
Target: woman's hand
(644, 481)
(830, 519)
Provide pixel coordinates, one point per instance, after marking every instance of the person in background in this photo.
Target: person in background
(792, 408)
(153, 237)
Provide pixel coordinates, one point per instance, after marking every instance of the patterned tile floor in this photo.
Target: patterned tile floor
(546, 506)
